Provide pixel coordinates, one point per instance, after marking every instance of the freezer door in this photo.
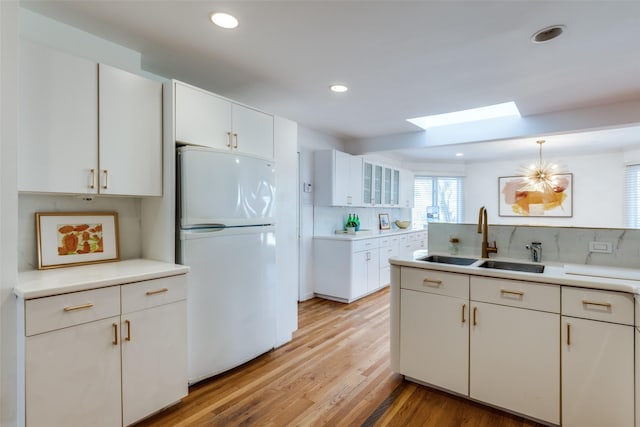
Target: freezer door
(224, 188)
(231, 302)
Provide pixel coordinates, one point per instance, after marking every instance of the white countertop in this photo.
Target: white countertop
(372, 235)
(586, 276)
(43, 283)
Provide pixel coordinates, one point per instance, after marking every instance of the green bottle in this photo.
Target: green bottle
(349, 222)
(357, 221)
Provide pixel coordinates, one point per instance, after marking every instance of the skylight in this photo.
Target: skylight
(506, 109)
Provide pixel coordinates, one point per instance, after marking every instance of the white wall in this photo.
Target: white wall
(309, 140)
(8, 208)
(598, 181)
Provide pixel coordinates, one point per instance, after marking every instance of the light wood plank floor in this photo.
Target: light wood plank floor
(334, 372)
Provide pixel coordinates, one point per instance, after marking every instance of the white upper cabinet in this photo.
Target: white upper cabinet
(130, 134)
(84, 131)
(58, 121)
(406, 189)
(202, 118)
(338, 179)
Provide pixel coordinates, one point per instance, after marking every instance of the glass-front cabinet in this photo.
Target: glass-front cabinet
(381, 185)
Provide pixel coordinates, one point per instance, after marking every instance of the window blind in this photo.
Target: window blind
(631, 196)
(440, 197)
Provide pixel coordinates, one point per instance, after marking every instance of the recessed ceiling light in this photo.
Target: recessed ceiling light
(547, 34)
(505, 109)
(224, 20)
(459, 154)
(338, 88)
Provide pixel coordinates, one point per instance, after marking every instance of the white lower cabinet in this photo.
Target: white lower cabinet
(154, 347)
(73, 375)
(434, 328)
(597, 359)
(514, 360)
(111, 355)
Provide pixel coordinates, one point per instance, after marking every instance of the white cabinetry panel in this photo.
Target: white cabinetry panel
(130, 134)
(58, 121)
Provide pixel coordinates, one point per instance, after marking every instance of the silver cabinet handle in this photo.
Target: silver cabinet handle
(235, 135)
(229, 139)
(92, 179)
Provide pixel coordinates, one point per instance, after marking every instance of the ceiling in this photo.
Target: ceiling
(400, 59)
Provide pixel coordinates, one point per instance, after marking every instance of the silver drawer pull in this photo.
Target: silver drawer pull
(79, 307)
(431, 282)
(599, 304)
(506, 291)
(157, 291)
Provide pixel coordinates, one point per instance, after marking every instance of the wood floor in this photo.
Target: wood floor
(334, 372)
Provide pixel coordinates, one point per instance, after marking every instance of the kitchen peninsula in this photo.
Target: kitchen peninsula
(556, 346)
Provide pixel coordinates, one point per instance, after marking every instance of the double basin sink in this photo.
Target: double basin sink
(494, 264)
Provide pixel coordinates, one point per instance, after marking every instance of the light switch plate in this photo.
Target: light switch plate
(601, 247)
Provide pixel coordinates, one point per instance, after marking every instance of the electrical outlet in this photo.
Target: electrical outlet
(601, 247)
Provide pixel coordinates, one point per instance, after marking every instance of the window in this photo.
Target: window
(631, 196)
(437, 199)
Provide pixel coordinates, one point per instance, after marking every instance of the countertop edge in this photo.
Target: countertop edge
(43, 283)
(373, 235)
(553, 274)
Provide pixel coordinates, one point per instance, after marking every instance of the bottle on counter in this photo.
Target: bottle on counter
(357, 222)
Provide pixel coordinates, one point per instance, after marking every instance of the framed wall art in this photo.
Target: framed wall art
(76, 238)
(555, 202)
(384, 221)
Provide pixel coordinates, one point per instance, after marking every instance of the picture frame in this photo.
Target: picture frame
(514, 202)
(67, 239)
(384, 221)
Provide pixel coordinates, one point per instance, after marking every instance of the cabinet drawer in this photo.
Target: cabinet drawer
(608, 306)
(151, 293)
(363, 245)
(386, 253)
(514, 293)
(435, 282)
(386, 241)
(62, 311)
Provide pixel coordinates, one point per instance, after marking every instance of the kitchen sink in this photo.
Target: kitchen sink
(513, 266)
(443, 259)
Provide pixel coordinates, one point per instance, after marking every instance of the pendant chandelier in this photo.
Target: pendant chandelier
(540, 176)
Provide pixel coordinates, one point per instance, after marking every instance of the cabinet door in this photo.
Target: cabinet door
(373, 270)
(342, 195)
(154, 359)
(406, 189)
(395, 189)
(130, 134)
(57, 121)
(515, 349)
(387, 173)
(73, 376)
(359, 273)
(377, 185)
(355, 180)
(434, 339)
(252, 131)
(597, 373)
(202, 118)
(367, 183)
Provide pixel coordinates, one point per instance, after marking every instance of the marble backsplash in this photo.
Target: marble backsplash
(559, 244)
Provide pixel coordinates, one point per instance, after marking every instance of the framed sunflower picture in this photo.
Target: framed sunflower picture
(76, 238)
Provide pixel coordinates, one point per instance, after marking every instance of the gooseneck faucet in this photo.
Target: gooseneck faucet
(483, 227)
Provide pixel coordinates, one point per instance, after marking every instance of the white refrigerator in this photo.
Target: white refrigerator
(227, 237)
